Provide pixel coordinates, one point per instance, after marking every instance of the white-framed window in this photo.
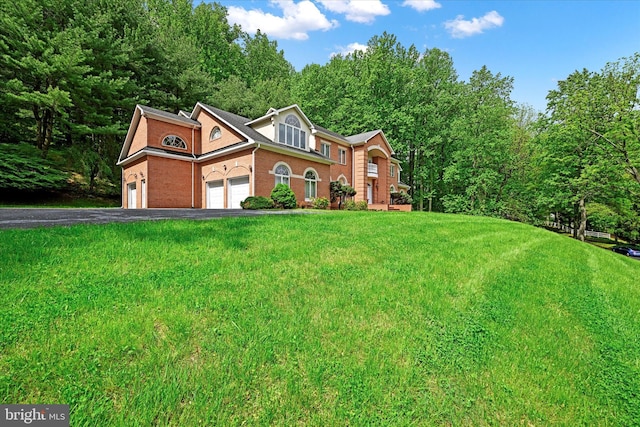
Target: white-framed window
(310, 185)
(392, 189)
(215, 133)
(342, 156)
(283, 174)
(325, 149)
(174, 141)
(289, 133)
(393, 170)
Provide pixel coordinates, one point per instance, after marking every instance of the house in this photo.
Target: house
(214, 159)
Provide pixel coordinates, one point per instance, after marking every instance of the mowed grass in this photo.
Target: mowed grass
(342, 318)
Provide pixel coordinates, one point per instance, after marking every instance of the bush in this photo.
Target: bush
(258, 202)
(400, 198)
(320, 203)
(349, 205)
(362, 205)
(283, 197)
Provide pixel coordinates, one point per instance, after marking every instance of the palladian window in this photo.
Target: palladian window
(291, 134)
(174, 141)
(310, 185)
(282, 174)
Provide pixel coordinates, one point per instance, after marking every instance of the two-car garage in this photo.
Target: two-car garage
(238, 189)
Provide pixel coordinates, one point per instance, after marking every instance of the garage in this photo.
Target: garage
(215, 195)
(238, 190)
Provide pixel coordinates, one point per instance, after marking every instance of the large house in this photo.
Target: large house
(214, 159)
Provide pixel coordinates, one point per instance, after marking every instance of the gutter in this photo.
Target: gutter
(192, 168)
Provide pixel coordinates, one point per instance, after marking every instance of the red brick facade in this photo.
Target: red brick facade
(221, 151)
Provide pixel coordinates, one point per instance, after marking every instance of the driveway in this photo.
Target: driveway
(31, 218)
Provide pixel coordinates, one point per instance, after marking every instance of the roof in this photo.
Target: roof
(330, 133)
(362, 137)
(237, 122)
(166, 115)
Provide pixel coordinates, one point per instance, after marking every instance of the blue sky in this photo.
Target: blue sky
(535, 42)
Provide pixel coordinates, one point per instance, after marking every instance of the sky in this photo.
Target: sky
(536, 42)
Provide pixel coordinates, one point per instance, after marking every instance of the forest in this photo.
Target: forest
(71, 73)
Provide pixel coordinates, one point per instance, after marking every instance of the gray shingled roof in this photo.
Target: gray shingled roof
(330, 132)
(238, 122)
(172, 116)
(362, 137)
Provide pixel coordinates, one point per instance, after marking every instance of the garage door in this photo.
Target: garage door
(215, 195)
(238, 191)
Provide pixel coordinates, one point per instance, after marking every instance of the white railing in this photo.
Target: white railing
(372, 169)
(570, 230)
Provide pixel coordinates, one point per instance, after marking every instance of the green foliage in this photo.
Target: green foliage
(362, 205)
(320, 203)
(350, 205)
(23, 169)
(257, 202)
(284, 197)
(404, 327)
(401, 198)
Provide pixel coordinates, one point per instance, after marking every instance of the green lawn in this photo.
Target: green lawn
(343, 318)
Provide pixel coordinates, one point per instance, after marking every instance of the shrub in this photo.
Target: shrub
(257, 202)
(283, 197)
(349, 205)
(320, 203)
(400, 198)
(362, 205)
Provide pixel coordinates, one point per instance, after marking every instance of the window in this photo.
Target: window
(289, 133)
(174, 141)
(342, 156)
(325, 149)
(215, 133)
(393, 171)
(392, 189)
(282, 174)
(310, 185)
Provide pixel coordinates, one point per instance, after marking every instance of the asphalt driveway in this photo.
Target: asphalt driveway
(33, 217)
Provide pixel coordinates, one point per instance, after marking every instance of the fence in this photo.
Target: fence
(570, 230)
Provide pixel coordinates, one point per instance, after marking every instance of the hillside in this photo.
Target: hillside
(327, 319)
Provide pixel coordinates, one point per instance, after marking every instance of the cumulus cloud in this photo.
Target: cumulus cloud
(297, 20)
(362, 11)
(422, 5)
(350, 48)
(460, 28)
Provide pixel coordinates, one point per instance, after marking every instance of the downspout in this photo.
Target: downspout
(353, 167)
(253, 169)
(192, 168)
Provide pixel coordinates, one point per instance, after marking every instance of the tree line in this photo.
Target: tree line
(71, 73)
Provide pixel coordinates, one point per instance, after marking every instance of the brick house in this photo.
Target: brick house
(214, 159)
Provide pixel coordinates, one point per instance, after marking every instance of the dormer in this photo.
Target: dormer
(287, 126)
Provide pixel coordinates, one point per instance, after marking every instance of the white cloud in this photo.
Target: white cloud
(362, 11)
(352, 47)
(422, 5)
(460, 28)
(297, 20)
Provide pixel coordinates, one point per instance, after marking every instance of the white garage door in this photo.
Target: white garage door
(215, 195)
(238, 191)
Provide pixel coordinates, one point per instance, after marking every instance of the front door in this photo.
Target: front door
(369, 194)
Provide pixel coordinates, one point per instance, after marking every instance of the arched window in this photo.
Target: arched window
(289, 133)
(282, 174)
(215, 133)
(392, 189)
(310, 185)
(174, 141)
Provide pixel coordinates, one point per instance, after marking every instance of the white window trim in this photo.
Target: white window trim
(326, 145)
(277, 176)
(175, 137)
(340, 157)
(212, 137)
(317, 180)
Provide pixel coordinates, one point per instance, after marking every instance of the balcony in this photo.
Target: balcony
(372, 170)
